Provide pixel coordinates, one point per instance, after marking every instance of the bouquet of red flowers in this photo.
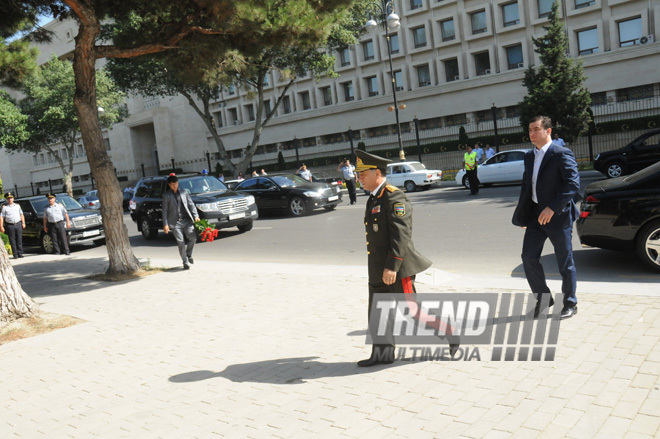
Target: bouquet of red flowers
(207, 231)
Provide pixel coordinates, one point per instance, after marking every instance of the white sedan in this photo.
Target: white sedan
(503, 167)
(411, 175)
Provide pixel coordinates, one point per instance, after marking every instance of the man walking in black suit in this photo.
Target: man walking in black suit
(180, 216)
(547, 210)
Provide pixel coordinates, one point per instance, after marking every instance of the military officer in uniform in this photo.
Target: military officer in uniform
(392, 259)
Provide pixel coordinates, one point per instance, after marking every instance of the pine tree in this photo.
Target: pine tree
(556, 89)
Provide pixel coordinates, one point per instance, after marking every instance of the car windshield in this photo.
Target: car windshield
(202, 185)
(68, 202)
(417, 166)
(289, 180)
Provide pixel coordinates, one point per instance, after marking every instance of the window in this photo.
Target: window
(634, 93)
(286, 104)
(415, 4)
(510, 14)
(514, 57)
(217, 118)
(368, 50)
(630, 31)
(394, 43)
(447, 30)
(35, 160)
(267, 108)
(419, 36)
(231, 90)
(306, 103)
(327, 95)
(348, 91)
(233, 115)
(482, 63)
(81, 151)
(423, 75)
(345, 57)
(451, 69)
(583, 3)
(372, 85)
(398, 80)
(599, 98)
(106, 143)
(588, 41)
(250, 111)
(545, 6)
(265, 84)
(478, 20)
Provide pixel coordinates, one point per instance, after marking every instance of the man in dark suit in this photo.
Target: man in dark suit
(180, 216)
(393, 261)
(547, 210)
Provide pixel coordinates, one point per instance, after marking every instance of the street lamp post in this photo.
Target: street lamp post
(391, 23)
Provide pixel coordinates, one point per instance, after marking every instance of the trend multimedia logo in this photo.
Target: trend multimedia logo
(505, 322)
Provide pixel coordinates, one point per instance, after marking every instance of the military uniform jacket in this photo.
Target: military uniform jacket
(388, 223)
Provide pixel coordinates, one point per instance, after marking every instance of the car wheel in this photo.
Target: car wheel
(297, 206)
(329, 208)
(245, 227)
(614, 169)
(410, 186)
(47, 244)
(466, 182)
(648, 245)
(148, 232)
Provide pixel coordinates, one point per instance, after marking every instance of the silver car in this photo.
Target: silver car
(503, 167)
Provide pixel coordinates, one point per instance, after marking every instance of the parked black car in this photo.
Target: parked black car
(638, 154)
(290, 192)
(213, 200)
(624, 214)
(86, 224)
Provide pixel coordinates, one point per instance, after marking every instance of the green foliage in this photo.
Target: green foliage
(361, 146)
(556, 88)
(13, 123)
(17, 62)
(5, 242)
(462, 136)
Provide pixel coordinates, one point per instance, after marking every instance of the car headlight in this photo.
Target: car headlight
(598, 156)
(207, 207)
(250, 199)
(312, 194)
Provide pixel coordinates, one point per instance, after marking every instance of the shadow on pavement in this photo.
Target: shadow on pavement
(598, 265)
(281, 371)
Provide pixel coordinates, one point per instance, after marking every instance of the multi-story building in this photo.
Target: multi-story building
(453, 60)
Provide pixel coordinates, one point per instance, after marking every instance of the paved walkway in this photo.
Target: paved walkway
(269, 350)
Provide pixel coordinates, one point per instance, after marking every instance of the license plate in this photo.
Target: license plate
(91, 233)
(333, 198)
(234, 216)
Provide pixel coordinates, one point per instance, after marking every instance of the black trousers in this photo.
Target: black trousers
(350, 186)
(57, 232)
(15, 234)
(382, 337)
(474, 181)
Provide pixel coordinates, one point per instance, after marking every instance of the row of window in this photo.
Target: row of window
(47, 157)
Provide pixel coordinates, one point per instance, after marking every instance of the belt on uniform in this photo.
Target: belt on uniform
(8, 223)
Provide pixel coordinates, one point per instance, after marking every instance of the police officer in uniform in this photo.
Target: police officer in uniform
(393, 261)
(54, 217)
(12, 223)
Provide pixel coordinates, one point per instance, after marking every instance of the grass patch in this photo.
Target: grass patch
(38, 324)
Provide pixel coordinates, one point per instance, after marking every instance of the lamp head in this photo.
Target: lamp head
(371, 25)
(393, 22)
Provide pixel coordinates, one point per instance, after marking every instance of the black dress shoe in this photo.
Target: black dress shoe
(186, 266)
(190, 259)
(378, 356)
(537, 308)
(568, 311)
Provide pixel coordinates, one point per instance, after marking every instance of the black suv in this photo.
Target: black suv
(215, 203)
(638, 154)
(86, 225)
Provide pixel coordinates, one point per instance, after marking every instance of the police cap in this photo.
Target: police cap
(9, 195)
(366, 161)
(49, 195)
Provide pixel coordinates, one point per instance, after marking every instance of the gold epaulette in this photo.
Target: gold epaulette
(391, 188)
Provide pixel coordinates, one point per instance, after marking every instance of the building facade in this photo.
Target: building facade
(453, 60)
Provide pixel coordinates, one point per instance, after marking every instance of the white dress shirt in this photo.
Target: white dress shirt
(538, 158)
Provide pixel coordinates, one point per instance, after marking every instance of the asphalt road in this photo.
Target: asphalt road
(461, 234)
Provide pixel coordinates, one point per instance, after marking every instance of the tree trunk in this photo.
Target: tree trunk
(120, 254)
(14, 302)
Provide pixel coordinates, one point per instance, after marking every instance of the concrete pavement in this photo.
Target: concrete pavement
(256, 350)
